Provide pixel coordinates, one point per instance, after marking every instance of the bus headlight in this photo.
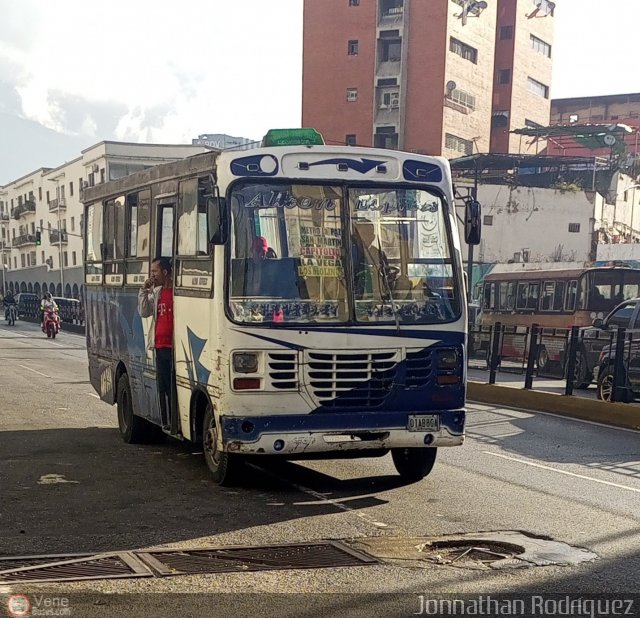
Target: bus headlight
(245, 362)
(447, 359)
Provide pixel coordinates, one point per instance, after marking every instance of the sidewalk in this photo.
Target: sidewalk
(516, 380)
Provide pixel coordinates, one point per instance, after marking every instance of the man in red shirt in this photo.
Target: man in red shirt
(155, 300)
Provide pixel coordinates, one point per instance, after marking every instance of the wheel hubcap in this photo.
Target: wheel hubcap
(606, 388)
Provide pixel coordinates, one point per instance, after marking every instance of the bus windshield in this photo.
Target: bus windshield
(325, 253)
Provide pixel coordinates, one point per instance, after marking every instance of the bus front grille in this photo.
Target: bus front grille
(418, 368)
(282, 369)
(358, 379)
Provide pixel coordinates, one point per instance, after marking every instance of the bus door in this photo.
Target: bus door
(164, 212)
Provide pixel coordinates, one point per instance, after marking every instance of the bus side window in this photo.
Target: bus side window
(165, 230)
(570, 298)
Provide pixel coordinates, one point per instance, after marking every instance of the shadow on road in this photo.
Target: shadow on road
(83, 490)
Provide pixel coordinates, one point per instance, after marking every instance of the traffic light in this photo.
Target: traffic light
(38, 238)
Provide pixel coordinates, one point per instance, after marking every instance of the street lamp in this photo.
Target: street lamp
(57, 181)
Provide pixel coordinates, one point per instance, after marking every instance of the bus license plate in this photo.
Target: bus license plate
(424, 422)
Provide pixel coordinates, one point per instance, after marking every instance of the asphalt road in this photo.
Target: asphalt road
(69, 484)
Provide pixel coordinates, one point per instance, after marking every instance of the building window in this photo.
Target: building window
(538, 87)
(462, 98)
(350, 139)
(459, 144)
(390, 99)
(387, 81)
(73, 258)
(48, 198)
(71, 189)
(73, 224)
(573, 118)
(352, 94)
(504, 76)
(65, 258)
(352, 49)
(463, 50)
(500, 119)
(506, 33)
(487, 220)
(386, 137)
(354, 2)
(40, 193)
(22, 260)
(540, 46)
(574, 227)
(42, 256)
(390, 50)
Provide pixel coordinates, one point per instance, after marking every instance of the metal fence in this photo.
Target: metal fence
(71, 312)
(610, 358)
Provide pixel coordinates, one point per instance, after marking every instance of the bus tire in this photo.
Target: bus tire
(222, 466)
(413, 464)
(133, 429)
(543, 358)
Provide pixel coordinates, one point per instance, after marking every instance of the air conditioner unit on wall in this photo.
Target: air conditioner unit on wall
(395, 102)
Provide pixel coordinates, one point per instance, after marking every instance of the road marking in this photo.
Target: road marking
(322, 498)
(34, 371)
(579, 476)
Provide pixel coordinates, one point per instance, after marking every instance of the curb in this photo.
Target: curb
(617, 414)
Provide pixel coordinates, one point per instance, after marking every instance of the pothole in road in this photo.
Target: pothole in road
(486, 550)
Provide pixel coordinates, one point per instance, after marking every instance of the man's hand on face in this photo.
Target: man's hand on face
(148, 284)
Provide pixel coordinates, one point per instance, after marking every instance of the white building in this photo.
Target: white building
(526, 224)
(41, 214)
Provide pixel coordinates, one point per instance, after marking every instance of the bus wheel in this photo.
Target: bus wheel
(413, 464)
(223, 466)
(133, 429)
(543, 358)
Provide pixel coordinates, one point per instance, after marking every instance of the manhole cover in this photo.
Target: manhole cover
(469, 552)
(264, 558)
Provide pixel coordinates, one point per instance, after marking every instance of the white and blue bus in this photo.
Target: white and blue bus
(344, 337)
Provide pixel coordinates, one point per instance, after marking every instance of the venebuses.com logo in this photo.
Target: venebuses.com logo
(18, 605)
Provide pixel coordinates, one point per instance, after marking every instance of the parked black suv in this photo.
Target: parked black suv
(627, 316)
(602, 334)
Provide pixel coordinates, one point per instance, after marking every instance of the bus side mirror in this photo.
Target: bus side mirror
(472, 222)
(217, 219)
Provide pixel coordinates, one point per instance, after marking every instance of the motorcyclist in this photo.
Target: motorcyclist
(7, 301)
(48, 304)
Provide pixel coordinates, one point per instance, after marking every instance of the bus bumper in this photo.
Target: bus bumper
(330, 432)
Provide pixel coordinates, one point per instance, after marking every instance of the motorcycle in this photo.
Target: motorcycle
(11, 314)
(51, 324)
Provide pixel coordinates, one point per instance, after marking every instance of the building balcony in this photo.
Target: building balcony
(28, 207)
(57, 204)
(55, 237)
(25, 239)
(4, 217)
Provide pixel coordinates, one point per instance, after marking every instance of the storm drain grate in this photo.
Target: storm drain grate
(466, 552)
(107, 566)
(264, 558)
(17, 562)
(164, 562)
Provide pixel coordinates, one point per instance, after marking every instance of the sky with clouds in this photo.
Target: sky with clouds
(160, 71)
